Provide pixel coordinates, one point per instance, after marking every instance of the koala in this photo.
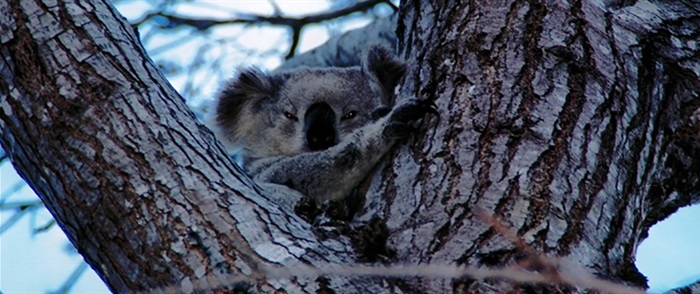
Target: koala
(315, 132)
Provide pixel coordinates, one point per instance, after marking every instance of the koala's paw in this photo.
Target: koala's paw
(401, 118)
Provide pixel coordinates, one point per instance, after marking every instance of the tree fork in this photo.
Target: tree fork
(575, 123)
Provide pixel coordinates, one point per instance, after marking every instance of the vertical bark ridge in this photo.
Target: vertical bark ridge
(606, 117)
(592, 183)
(633, 180)
(491, 61)
(523, 118)
(672, 186)
(542, 171)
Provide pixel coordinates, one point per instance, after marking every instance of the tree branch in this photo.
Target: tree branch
(144, 192)
(295, 24)
(278, 20)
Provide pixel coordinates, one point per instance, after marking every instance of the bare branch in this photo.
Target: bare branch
(296, 24)
(22, 205)
(279, 20)
(73, 278)
(346, 49)
(296, 34)
(14, 218)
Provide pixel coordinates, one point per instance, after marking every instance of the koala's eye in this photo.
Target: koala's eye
(349, 115)
(288, 115)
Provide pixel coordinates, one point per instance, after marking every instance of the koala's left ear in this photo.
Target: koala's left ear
(382, 63)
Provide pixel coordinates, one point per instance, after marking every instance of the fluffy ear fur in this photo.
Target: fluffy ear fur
(385, 67)
(251, 87)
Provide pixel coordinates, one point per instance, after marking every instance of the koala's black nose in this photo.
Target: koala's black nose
(319, 124)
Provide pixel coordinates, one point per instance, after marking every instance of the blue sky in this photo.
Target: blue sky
(39, 263)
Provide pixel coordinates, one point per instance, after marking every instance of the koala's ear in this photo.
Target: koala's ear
(248, 89)
(382, 63)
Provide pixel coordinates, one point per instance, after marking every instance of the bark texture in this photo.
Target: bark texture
(576, 123)
(690, 289)
(143, 191)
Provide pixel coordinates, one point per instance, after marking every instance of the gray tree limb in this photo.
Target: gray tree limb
(144, 192)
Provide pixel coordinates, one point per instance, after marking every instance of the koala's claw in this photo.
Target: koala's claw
(399, 125)
(413, 110)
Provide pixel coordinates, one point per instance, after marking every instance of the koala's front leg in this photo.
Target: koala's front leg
(333, 173)
(330, 174)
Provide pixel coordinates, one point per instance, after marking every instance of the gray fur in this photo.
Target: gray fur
(262, 117)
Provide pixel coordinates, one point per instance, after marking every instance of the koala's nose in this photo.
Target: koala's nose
(319, 123)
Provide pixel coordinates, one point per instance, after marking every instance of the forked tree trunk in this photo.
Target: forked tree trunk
(577, 125)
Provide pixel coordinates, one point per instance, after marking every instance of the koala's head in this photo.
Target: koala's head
(306, 109)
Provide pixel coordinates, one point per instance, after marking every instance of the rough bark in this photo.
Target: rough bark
(142, 190)
(575, 123)
(690, 289)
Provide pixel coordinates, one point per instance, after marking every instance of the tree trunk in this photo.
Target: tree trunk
(576, 125)
(142, 190)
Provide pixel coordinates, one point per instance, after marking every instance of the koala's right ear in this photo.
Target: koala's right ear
(382, 63)
(249, 88)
